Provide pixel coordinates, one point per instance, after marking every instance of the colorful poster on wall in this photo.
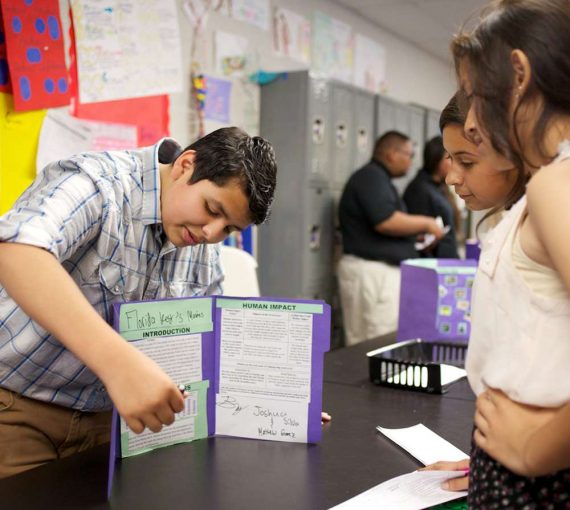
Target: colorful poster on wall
(255, 12)
(369, 64)
(19, 132)
(63, 136)
(244, 105)
(292, 35)
(126, 48)
(35, 54)
(4, 72)
(149, 114)
(231, 54)
(217, 104)
(332, 48)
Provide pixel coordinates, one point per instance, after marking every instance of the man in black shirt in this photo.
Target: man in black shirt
(427, 194)
(377, 235)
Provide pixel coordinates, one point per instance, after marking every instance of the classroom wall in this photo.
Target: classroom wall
(413, 76)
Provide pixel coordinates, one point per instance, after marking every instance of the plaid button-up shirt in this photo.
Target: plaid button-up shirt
(99, 215)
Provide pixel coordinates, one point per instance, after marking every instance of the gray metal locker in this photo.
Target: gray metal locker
(402, 118)
(415, 131)
(316, 245)
(385, 116)
(432, 124)
(342, 134)
(364, 138)
(318, 142)
(295, 247)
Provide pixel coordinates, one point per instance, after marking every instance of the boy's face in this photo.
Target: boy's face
(201, 212)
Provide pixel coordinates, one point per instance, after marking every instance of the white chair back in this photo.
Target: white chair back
(240, 269)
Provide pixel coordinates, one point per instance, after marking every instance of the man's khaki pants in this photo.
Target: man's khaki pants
(34, 432)
(369, 297)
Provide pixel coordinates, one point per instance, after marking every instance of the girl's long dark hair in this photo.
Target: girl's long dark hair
(540, 29)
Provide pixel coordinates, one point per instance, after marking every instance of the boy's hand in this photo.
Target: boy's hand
(143, 394)
(455, 484)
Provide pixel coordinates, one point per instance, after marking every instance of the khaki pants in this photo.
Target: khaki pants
(369, 297)
(34, 432)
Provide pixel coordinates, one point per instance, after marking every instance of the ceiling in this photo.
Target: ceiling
(428, 24)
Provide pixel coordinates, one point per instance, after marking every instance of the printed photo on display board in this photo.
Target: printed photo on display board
(453, 308)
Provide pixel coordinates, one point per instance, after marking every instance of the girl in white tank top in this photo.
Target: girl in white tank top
(519, 353)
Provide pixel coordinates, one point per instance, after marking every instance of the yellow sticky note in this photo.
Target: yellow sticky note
(19, 134)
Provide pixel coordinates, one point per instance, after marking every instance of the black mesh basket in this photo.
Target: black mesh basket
(415, 364)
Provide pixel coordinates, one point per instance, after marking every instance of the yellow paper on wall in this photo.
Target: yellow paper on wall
(19, 134)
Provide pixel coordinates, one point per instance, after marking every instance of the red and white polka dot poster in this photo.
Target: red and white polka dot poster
(35, 53)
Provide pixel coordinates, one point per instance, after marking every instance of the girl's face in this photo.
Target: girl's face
(473, 177)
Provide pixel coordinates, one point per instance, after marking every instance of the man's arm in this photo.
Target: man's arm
(403, 224)
(143, 394)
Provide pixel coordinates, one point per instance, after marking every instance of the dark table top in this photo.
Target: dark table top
(223, 472)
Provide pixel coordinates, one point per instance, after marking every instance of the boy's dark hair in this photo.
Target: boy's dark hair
(230, 153)
(540, 29)
(434, 152)
(388, 141)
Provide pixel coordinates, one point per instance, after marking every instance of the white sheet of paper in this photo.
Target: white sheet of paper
(256, 12)
(266, 353)
(412, 491)
(429, 239)
(181, 358)
(127, 48)
(423, 444)
(62, 136)
(449, 373)
(231, 53)
(279, 420)
(265, 374)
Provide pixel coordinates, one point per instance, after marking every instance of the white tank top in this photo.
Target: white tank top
(520, 335)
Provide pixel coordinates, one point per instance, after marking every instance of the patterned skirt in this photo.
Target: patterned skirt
(492, 486)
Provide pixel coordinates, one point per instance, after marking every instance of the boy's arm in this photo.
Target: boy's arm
(143, 394)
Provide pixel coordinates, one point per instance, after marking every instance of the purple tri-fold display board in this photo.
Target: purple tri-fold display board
(435, 299)
(472, 249)
(249, 367)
